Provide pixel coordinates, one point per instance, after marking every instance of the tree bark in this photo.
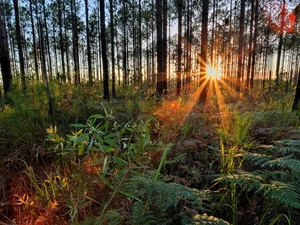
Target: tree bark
(89, 57)
(20, 46)
(104, 51)
(112, 38)
(240, 50)
(179, 47)
(159, 49)
(255, 44)
(4, 56)
(34, 42)
(203, 59)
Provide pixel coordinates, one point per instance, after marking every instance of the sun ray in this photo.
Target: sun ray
(222, 105)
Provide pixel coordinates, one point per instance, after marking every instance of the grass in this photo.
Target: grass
(138, 161)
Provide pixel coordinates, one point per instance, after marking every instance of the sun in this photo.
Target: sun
(213, 73)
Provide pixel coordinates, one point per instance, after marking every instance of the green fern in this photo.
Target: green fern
(171, 193)
(141, 216)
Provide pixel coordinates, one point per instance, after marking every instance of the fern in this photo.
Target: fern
(141, 216)
(283, 193)
(171, 193)
(285, 162)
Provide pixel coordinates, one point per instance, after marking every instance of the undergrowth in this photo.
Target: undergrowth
(134, 160)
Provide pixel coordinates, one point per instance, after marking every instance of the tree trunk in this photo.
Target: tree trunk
(140, 44)
(89, 57)
(112, 38)
(104, 51)
(75, 42)
(165, 45)
(179, 47)
(47, 45)
(34, 42)
(4, 56)
(250, 45)
(255, 45)
(159, 49)
(124, 44)
(20, 46)
(203, 59)
(280, 44)
(61, 42)
(240, 50)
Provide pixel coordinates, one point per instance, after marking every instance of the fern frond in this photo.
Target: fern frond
(290, 143)
(251, 180)
(141, 216)
(285, 162)
(257, 159)
(283, 193)
(171, 193)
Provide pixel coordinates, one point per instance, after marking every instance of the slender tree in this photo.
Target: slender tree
(89, 57)
(159, 48)
(20, 45)
(280, 43)
(125, 78)
(254, 45)
(34, 41)
(250, 45)
(61, 41)
(203, 56)
(104, 51)
(4, 56)
(75, 41)
(179, 46)
(240, 49)
(112, 39)
(165, 44)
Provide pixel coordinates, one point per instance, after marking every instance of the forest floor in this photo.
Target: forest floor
(137, 161)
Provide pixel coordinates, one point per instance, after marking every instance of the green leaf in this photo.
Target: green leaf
(105, 169)
(97, 116)
(120, 161)
(78, 125)
(105, 181)
(131, 196)
(83, 137)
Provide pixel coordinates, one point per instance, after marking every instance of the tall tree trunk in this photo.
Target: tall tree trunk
(152, 40)
(240, 50)
(140, 44)
(280, 43)
(179, 47)
(75, 42)
(20, 46)
(89, 57)
(250, 45)
(124, 44)
(255, 44)
(203, 59)
(165, 45)
(188, 45)
(47, 46)
(112, 38)
(34, 42)
(159, 48)
(61, 42)
(104, 51)
(4, 56)
(42, 53)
